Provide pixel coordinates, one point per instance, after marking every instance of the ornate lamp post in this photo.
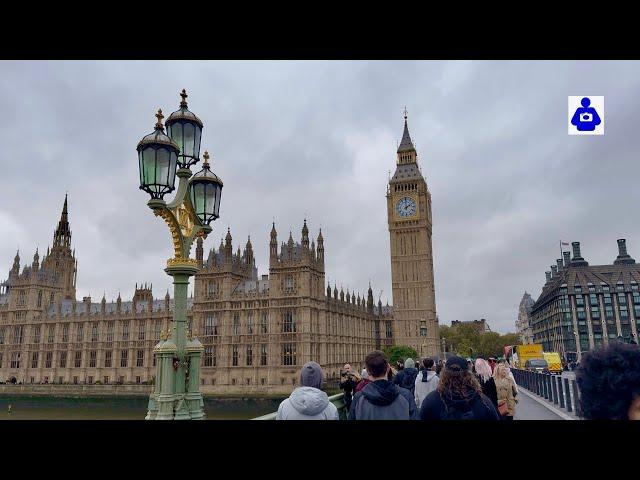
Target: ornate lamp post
(161, 158)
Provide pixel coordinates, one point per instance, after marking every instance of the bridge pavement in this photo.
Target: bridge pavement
(534, 407)
(528, 409)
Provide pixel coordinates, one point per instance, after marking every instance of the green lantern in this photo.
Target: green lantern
(157, 160)
(185, 129)
(205, 189)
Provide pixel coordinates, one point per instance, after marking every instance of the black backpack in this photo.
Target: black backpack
(408, 381)
(454, 414)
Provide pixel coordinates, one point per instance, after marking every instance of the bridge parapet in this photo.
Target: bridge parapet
(557, 389)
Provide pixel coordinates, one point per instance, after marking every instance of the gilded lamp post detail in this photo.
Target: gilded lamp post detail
(163, 156)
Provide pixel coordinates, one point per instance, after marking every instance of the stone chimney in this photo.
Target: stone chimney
(567, 258)
(623, 257)
(554, 271)
(577, 260)
(548, 275)
(559, 264)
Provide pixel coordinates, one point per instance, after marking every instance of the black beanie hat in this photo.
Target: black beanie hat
(457, 363)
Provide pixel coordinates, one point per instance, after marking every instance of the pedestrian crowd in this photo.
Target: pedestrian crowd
(413, 390)
(462, 389)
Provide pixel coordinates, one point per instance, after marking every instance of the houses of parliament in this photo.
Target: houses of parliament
(257, 331)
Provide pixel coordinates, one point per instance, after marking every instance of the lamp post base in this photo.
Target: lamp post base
(195, 403)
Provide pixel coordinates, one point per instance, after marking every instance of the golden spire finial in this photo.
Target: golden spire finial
(184, 96)
(159, 116)
(206, 158)
(165, 334)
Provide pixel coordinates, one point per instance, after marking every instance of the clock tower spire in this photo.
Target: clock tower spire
(410, 227)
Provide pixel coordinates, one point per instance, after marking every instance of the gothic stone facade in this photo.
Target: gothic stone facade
(410, 229)
(257, 331)
(523, 324)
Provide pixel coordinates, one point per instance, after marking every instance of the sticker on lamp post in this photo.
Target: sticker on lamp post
(586, 115)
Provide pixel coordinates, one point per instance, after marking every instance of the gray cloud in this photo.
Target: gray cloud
(316, 139)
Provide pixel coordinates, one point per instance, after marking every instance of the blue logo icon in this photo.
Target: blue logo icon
(586, 118)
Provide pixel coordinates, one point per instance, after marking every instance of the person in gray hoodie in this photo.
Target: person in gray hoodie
(308, 402)
(381, 399)
(426, 381)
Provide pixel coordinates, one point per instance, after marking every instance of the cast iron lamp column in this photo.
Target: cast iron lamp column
(161, 158)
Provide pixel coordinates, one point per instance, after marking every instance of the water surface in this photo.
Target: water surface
(123, 408)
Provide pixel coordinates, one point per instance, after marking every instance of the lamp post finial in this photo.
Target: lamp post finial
(159, 116)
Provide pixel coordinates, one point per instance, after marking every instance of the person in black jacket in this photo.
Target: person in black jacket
(486, 381)
(458, 397)
(348, 382)
(406, 378)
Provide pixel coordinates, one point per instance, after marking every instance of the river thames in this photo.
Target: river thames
(122, 408)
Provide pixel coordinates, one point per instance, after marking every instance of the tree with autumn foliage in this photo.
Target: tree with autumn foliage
(465, 340)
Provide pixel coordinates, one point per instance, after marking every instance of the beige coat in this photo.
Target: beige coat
(504, 389)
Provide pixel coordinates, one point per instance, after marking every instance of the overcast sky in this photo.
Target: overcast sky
(308, 138)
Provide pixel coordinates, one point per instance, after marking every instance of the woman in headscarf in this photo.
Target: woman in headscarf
(483, 374)
(506, 392)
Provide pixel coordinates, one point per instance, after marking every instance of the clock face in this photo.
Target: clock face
(406, 207)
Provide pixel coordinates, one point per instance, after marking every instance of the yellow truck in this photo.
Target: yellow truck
(518, 355)
(554, 362)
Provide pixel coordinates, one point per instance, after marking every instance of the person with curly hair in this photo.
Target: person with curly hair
(458, 396)
(609, 383)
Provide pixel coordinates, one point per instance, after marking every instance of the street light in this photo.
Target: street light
(157, 159)
(205, 189)
(161, 158)
(185, 129)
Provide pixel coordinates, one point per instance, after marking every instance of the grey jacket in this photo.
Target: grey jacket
(382, 400)
(425, 388)
(307, 403)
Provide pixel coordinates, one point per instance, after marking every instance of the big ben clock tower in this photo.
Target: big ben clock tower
(409, 216)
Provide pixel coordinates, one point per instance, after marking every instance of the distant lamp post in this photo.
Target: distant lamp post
(161, 158)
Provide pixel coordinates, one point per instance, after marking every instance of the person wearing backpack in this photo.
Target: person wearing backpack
(458, 396)
(426, 381)
(381, 399)
(406, 378)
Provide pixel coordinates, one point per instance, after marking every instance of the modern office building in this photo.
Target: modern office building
(584, 306)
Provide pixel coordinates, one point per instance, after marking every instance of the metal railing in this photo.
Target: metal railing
(555, 389)
(337, 400)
